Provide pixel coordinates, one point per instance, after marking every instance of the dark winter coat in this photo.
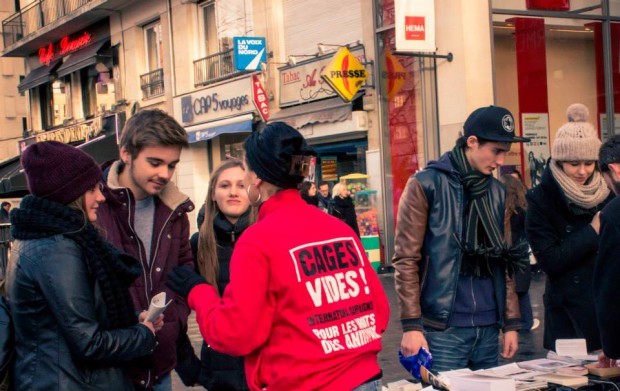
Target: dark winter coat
(607, 279)
(221, 371)
(427, 257)
(169, 248)
(216, 371)
(517, 232)
(565, 246)
(345, 211)
(63, 334)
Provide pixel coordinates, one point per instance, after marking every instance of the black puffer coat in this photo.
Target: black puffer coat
(345, 211)
(63, 336)
(565, 245)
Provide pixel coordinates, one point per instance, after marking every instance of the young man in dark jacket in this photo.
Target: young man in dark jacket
(450, 251)
(607, 267)
(145, 215)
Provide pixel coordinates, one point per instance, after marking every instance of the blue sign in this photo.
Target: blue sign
(249, 52)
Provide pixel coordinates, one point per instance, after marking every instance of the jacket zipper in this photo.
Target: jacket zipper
(473, 296)
(158, 241)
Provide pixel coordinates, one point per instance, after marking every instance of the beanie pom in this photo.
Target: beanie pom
(577, 112)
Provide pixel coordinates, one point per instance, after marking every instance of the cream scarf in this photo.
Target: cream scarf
(586, 196)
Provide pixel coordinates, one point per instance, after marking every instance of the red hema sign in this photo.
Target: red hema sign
(415, 28)
(260, 98)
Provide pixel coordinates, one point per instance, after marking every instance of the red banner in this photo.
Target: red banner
(555, 5)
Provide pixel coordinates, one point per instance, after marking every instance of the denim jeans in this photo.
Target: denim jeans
(464, 347)
(164, 383)
(370, 386)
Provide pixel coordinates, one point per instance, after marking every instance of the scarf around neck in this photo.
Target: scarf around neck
(38, 218)
(483, 241)
(586, 196)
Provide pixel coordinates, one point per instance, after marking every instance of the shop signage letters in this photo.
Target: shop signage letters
(345, 74)
(83, 131)
(414, 25)
(302, 83)
(213, 102)
(65, 46)
(260, 98)
(249, 52)
(222, 101)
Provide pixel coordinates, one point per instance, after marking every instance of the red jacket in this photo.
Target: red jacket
(303, 303)
(169, 248)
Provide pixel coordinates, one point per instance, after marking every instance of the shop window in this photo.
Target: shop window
(338, 159)
(46, 104)
(231, 145)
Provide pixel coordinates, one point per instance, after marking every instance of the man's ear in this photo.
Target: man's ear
(125, 155)
(472, 141)
(614, 168)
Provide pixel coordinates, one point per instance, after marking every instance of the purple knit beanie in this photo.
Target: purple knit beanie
(59, 172)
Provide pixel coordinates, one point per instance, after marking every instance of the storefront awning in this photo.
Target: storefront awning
(328, 110)
(38, 76)
(86, 57)
(208, 130)
(13, 180)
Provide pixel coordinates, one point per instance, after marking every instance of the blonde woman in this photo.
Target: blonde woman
(343, 206)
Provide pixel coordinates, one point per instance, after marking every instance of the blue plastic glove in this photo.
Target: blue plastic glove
(412, 363)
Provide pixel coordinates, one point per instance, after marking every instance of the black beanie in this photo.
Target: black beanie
(278, 154)
(59, 172)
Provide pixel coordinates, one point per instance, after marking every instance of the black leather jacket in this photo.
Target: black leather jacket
(427, 257)
(61, 333)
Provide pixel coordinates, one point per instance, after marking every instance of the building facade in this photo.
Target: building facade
(90, 64)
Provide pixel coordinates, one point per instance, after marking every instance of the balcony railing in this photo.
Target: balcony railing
(152, 84)
(214, 67)
(36, 15)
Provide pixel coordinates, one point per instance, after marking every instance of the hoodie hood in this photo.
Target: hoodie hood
(444, 164)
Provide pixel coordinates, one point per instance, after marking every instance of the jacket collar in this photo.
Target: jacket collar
(278, 200)
(170, 196)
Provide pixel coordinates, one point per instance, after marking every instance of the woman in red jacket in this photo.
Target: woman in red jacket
(303, 304)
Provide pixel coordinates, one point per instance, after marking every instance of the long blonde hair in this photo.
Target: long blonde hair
(207, 260)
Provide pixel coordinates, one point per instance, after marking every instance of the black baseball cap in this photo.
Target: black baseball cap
(492, 123)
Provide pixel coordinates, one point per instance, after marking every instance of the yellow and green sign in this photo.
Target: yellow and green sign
(345, 74)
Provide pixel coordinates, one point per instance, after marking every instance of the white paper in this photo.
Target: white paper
(574, 348)
(543, 365)
(157, 306)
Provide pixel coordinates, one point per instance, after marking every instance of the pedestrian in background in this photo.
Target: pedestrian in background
(326, 202)
(451, 269)
(67, 288)
(562, 225)
(514, 228)
(279, 309)
(145, 215)
(343, 207)
(607, 267)
(307, 190)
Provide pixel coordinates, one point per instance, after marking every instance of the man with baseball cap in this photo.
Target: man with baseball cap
(450, 256)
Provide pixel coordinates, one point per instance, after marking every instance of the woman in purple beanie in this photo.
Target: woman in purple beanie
(67, 288)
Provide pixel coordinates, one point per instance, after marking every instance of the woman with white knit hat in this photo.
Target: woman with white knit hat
(562, 225)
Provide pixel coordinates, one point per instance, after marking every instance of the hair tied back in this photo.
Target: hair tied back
(300, 165)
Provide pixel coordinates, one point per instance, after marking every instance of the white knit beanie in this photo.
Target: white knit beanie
(576, 139)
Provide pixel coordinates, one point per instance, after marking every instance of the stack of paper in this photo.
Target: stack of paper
(524, 379)
(403, 385)
(564, 380)
(479, 382)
